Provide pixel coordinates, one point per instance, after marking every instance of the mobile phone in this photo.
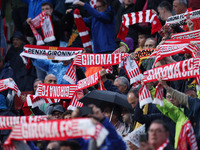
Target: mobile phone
(143, 137)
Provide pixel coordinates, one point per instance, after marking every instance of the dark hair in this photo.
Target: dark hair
(162, 123)
(165, 5)
(135, 91)
(68, 112)
(47, 3)
(74, 145)
(190, 89)
(104, 2)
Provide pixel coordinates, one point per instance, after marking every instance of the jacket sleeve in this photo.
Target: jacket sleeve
(110, 87)
(41, 64)
(106, 16)
(181, 97)
(113, 140)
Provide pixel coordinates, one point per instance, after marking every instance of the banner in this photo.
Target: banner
(88, 60)
(59, 91)
(50, 52)
(181, 19)
(9, 83)
(175, 71)
(187, 35)
(58, 130)
(8, 122)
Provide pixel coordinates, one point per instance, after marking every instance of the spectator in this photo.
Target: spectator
(67, 114)
(50, 79)
(128, 121)
(141, 40)
(102, 26)
(69, 145)
(122, 84)
(53, 145)
(35, 84)
(157, 137)
(24, 77)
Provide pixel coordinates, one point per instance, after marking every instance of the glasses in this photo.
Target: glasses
(97, 7)
(52, 81)
(156, 131)
(168, 96)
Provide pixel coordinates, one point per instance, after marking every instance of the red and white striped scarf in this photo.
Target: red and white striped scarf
(82, 29)
(139, 17)
(167, 50)
(162, 147)
(57, 130)
(88, 60)
(8, 122)
(187, 35)
(158, 97)
(133, 71)
(175, 71)
(58, 91)
(50, 52)
(44, 22)
(75, 100)
(181, 19)
(144, 96)
(6, 84)
(187, 136)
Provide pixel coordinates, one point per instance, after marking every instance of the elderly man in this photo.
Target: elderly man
(157, 137)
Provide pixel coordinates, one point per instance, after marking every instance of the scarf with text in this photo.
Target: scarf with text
(175, 71)
(58, 130)
(187, 35)
(49, 52)
(133, 71)
(144, 96)
(6, 84)
(82, 29)
(167, 50)
(8, 122)
(187, 136)
(59, 91)
(88, 60)
(44, 22)
(139, 17)
(181, 19)
(162, 147)
(182, 41)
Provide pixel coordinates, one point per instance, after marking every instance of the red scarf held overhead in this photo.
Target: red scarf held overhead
(44, 22)
(82, 29)
(6, 84)
(139, 17)
(75, 100)
(175, 71)
(144, 96)
(8, 122)
(158, 97)
(57, 130)
(187, 35)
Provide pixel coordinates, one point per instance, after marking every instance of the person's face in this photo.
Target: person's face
(161, 13)
(178, 8)
(17, 43)
(125, 116)
(35, 86)
(75, 113)
(107, 112)
(57, 114)
(51, 79)
(172, 100)
(191, 93)
(141, 40)
(100, 7)
(120, 87)
(157, 134)
(48, 9)
(128, 2)
(53, 146)
(149, 44)
(132, 99)
(65, 148)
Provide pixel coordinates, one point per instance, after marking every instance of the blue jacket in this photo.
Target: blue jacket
(102, 28)
(57, 69)
(35, 7)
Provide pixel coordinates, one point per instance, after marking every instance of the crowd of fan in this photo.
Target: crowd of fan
(104, 22)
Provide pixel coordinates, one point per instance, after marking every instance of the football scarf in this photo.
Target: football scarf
(187, 35)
